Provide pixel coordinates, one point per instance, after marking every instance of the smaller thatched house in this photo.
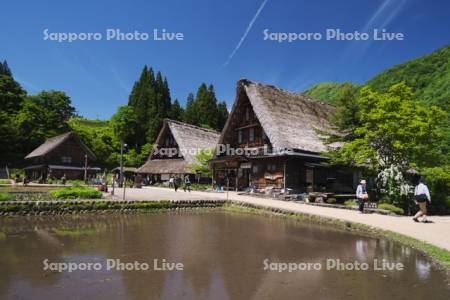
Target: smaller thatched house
(272, 140)
(175, 150)
(64, 154)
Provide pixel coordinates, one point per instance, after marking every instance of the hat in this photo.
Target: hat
(363, 181)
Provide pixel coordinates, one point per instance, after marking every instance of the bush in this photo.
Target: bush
(438, 181)
(5, 197)
(352, 202)
(5, 181)
(389, 207)
(76, 193)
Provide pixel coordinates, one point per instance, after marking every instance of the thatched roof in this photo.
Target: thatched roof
(125, 169)
(52, 143)
(165, 166)
(290, 120)
(189, 138)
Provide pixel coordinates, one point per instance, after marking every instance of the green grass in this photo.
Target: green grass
(76, 192)
(5, 181)
(389, 207)
(352, 202)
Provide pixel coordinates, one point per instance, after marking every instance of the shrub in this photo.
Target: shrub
(76, 193)
(394, 188)
(5, 181)
(438, 181)
(352, 202)
(5, 197)
(389, 207)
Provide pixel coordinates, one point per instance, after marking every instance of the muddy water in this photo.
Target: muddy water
(222, 254)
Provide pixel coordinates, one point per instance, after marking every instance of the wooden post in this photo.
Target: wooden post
(85, 168)
(122, 181)
(237, 179)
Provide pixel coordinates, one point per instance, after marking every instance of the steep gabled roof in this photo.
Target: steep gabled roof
(291, 121)
(189, 138)
(52, 143)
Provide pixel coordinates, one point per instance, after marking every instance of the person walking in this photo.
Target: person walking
(422, 198)
(171, 180)
(361, 195)
(176, 183)
(187, 184)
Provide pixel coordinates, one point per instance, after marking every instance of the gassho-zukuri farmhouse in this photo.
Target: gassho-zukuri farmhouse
(270, 140)
(175, 151)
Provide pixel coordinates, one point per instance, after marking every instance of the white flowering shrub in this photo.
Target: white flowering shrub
(394, 187)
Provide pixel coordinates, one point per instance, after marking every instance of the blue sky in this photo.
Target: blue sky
(223, 42)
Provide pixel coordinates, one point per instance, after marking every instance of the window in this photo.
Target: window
(66, 159)
(247, 114)
(240, 136)
(271, 167)
(251, 134)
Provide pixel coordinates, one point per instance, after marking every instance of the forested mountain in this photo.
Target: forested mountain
(428, 76)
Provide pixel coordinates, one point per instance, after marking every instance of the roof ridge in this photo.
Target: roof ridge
(192, 126)
(246, 82)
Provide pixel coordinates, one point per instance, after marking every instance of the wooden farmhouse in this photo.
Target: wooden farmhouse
(64, 154)
(175, 151)
(271, 140)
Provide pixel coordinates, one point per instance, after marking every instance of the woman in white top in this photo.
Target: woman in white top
(421, 197)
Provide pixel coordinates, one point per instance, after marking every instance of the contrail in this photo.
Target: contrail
(249, 27)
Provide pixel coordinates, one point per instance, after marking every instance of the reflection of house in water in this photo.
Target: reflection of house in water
(273, 140)
(176, 147)
(59, 155)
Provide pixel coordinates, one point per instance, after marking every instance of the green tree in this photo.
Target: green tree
(222, 115)
(42, 116)
(176, 111)
(190, 113)
(4, 69)
(123, 122)
(206, 106)
(11, 94)
(394, 130)
(201, 164)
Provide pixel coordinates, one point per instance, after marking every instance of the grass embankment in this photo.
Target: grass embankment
(439, 255)
(84, 206)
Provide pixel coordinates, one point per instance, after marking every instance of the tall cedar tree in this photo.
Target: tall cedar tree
(206, 105)
(176, 111)
(12, 97)
(222, 115)
(190, 113)
(150, 98)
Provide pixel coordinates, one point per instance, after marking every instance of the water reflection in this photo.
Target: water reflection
(222, 254)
